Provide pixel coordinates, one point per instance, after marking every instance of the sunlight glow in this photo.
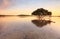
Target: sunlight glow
(27, 7)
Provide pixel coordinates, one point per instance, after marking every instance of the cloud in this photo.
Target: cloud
(5, 4)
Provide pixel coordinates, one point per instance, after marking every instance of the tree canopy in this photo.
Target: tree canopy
(41, 12)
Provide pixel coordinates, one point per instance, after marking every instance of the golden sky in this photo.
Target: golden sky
(15, 7)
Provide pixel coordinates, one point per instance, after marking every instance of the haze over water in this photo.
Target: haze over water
(29, 27)
(20, 27)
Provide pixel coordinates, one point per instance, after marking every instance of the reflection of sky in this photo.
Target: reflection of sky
(13, 26)
(27, 6)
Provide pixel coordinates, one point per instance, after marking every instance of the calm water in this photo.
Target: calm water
(15, 27)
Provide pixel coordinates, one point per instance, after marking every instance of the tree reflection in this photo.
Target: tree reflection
(41, 23)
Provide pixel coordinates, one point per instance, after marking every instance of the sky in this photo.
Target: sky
(16, 7)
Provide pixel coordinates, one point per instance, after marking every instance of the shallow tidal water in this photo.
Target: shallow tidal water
(16, 27)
